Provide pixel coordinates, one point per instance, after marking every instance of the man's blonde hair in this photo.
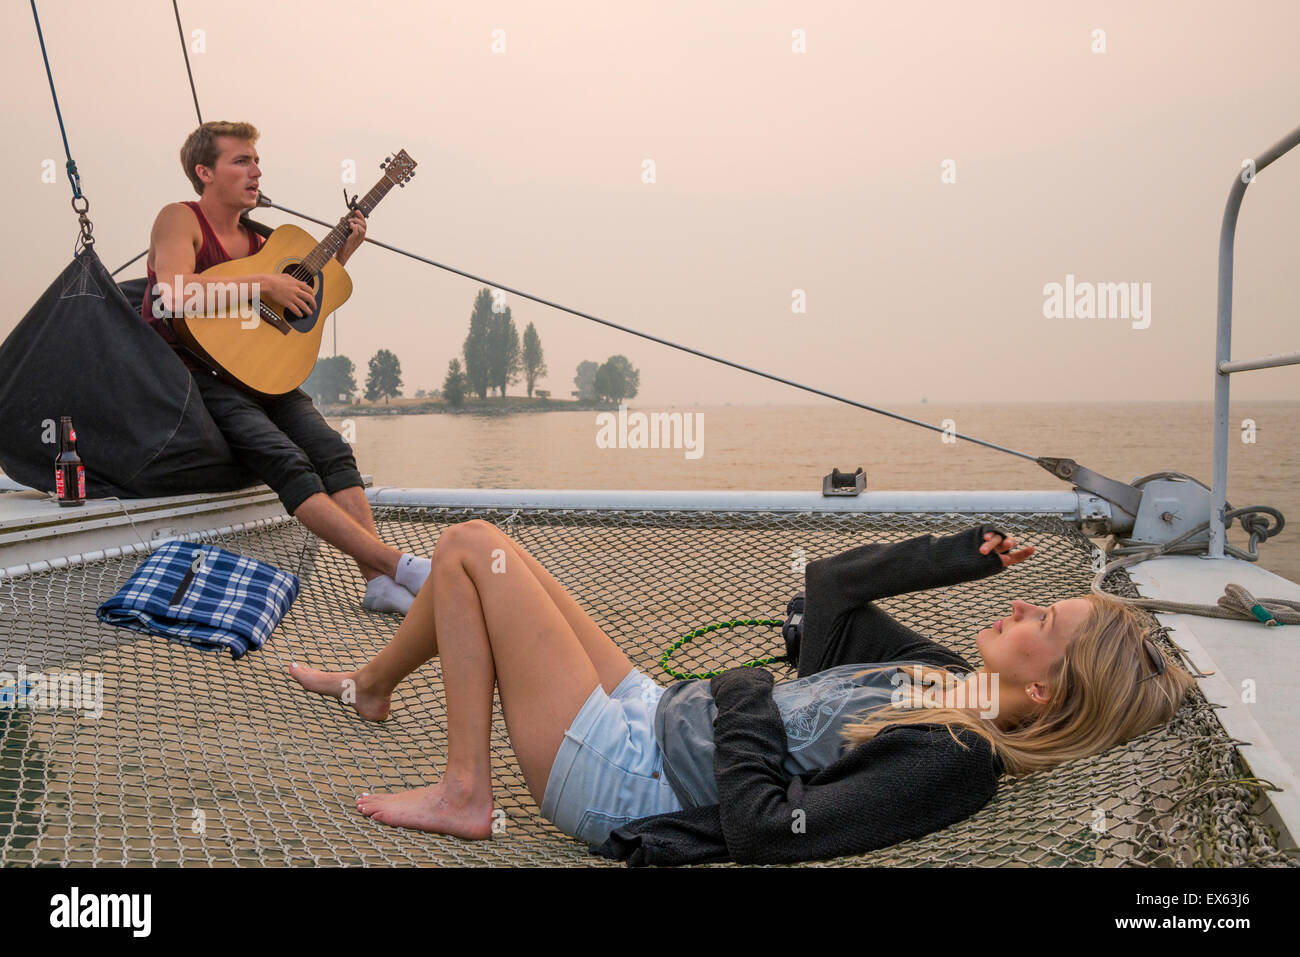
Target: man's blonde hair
(200, 147)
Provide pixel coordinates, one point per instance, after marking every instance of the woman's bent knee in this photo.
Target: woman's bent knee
(475, 537)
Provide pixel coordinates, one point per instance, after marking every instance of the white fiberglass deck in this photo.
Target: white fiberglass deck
(1256, 669)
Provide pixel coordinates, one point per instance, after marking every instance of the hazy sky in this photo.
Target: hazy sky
(775, 171)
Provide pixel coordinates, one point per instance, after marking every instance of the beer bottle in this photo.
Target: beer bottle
(69, 473)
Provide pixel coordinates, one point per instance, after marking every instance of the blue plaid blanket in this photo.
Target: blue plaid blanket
(203, 596)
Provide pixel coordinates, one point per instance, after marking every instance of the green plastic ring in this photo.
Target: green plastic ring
(706, 629)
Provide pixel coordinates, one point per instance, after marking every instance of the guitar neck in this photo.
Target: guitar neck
(333, 242)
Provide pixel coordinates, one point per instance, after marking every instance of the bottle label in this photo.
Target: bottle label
(63, 483)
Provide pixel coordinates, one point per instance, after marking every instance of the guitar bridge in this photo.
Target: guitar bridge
(275, 321)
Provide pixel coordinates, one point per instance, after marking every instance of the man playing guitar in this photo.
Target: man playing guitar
(282, 439)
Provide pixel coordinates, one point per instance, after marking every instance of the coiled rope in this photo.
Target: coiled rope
(1237, 603)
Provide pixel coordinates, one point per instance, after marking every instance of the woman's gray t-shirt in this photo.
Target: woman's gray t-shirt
(814, 709)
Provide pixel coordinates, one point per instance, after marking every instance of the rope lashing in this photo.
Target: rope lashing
(82, 211)
(709, 629)
(1237, 603)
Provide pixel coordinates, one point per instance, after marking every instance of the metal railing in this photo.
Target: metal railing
(1223, 364)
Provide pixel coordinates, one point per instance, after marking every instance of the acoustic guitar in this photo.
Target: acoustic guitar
(273, 351)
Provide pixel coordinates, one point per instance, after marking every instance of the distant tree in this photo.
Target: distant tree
(385, 378)
(453, 387)
(478, 344)
(607, 383)
(631, 376)
(331, 380)
(616, 380)
(533, 363)
(503, 351)
(420, 393)
(585, 380)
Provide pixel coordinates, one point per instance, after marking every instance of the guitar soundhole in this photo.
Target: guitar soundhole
(299, 271)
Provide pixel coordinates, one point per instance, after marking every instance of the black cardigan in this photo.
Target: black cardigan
(907, 781)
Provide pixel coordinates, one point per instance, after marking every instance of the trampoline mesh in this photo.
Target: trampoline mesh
(201, 760)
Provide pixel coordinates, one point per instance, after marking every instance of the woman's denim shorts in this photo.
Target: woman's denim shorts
(609, 769)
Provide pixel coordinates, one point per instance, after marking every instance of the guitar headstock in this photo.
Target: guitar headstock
(398, 169)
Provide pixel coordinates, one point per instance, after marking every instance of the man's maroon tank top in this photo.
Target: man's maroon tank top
(210, 254)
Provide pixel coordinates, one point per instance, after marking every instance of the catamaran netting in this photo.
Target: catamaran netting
(201, 760)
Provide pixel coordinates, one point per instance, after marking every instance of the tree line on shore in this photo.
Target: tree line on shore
(494, 359)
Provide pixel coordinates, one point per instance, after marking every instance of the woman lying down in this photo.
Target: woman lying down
(850, 756)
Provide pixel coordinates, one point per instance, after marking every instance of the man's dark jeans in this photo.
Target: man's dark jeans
(283, 440)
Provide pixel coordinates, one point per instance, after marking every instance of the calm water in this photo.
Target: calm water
(792, 447)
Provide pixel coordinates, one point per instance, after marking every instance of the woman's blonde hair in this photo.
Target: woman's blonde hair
(1097, 697)
(200, 148)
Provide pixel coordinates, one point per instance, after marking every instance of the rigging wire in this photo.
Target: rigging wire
(127, 263)
(263, 201)
(653, 338)
(1238, 603)
(85, 239)
(186, 51)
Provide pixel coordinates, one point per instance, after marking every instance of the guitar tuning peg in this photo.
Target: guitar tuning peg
(401, 186)
(383, 166)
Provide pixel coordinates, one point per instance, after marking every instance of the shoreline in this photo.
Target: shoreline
(507, 406)
(512, 405)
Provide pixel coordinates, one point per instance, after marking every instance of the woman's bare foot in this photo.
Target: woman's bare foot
(443, 808)
(347, 687)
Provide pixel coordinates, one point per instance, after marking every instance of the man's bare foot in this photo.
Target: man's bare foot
(345, 686)
(443, 808)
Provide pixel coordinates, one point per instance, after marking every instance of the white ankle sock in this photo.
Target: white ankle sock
(412, 571)
(384, 594)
